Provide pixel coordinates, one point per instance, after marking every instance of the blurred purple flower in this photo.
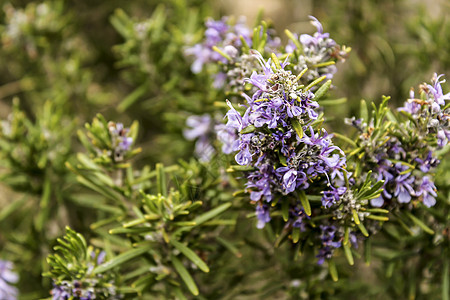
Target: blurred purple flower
(427, 190)
(7, 279)
(262, 213)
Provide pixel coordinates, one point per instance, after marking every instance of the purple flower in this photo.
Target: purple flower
(221, 34)
(298, 216)
(262, 212)
(7, 279)
(332, 196)
(235, 120)
(327, 237)
(436, 90)
(403, 189)
(261, 180)
(61, 292)
(202, 56)
(289, 179)
(227, 136)
(204, 150)
(427, 190)
(443, 136)
(306, 39)
(244, 157)
(197, 126)
(290, 47)
(125, 143)
(377, 202)
(428, 163)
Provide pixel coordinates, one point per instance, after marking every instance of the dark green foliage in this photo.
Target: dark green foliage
(172, 227)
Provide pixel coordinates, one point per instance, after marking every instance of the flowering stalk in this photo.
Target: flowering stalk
(290, 160)
(402, 149)
(227, 46)
(73, 271)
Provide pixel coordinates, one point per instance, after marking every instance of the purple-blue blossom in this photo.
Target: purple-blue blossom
(431, 110)
(121, 142)
(316, 49)
(7, 280)
(328, 240)
(262, 213)
(282, 161)
(223, 35)
(427, 191)
(200, 128)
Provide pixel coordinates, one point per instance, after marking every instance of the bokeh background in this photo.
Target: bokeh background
(66, 61)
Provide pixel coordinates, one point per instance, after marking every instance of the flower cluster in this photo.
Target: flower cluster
(82, 290)
(7, 279)
(88, 288)
(223, 35)
(200, 128)
(283, 147)
(288, 157)
(404, 157)
(226, 43)
(121, 142)
(317, 52)
(229, 45)
(431, 111)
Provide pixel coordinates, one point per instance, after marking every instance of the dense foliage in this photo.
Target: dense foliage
(215, 154)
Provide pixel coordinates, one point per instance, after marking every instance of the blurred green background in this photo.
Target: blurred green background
(69, 60)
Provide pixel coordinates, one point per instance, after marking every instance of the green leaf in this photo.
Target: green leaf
(44, 205)
(346, 139)
(332, 270)
(276, 61)
(315, 82)
(120, 259)
(179, 294)
(295, 234)
(235, 168)
(367, 251)
(297, 127)
(362, 229)
(12, 207)
(363, 112)
(377, 210)
(185, 276)
(305, 202)
(420, 223)
(293, 39)
(191, 255)
(248, 129)
(322, 90)
(285, 209)
(445, 280)
(346, 235)
(133, 97)
(137, 230)
(226, 56)
(161, 179)
(229, 246)
(211, 214)
(377, 218)
(300, 76)
(282, 159)
(108, 193)
(348, 254)
(355, 217)
(332, 102)
(94, 201)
